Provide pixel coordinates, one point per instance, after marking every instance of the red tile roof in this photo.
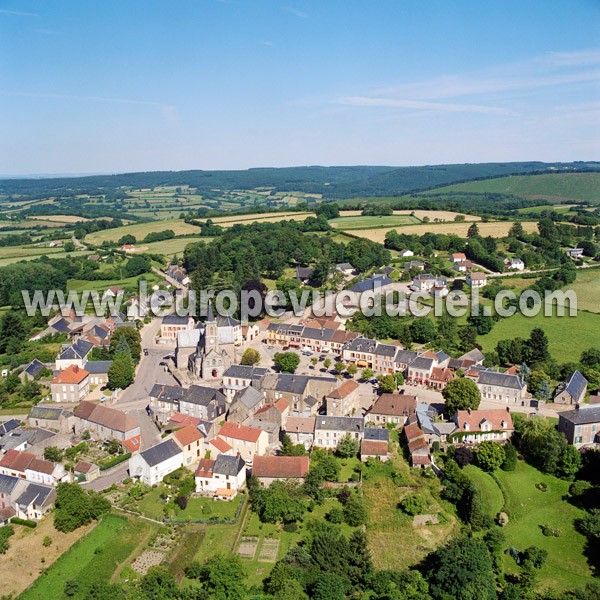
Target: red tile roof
(17, 460)
(110, 418)
(280, 467)
(83, 467)
(373, 448)
(396, 405)
(442, 375)
(133, 444)
(412, 431)
(280, 405)
(72, 374)
(187, 435)
(205, 467)
(475, 418)
(344, 390)
(221, 445)
(421, 459)
(300, 424)
(41, 466)
(418, 444)
(240, 432)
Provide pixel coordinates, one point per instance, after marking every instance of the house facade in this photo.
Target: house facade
(581, 426)
(70, 385)
(330, 430)
(476, 426)
(268, 469)
(151, 466)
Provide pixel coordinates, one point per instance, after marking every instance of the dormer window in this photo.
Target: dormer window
(466, 427)
(503, 424)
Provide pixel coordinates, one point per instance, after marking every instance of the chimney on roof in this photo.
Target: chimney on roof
(75, 368)
(468, 411)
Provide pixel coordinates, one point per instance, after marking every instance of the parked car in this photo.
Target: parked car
(145, 351)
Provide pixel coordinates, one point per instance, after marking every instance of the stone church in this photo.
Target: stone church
(210, 360)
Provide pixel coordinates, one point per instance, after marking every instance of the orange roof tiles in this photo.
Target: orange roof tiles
(374, 448)
(72, 374)
(344, 390)
(475, 418)
(240, 432)
(187, 435)
(280, 467)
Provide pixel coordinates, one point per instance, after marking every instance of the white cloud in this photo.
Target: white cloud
(296, 12)
(17, 13)
(419, 104)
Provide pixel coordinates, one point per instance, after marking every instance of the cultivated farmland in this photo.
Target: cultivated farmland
(495, 229)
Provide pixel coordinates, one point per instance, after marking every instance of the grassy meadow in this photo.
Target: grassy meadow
(554, 187)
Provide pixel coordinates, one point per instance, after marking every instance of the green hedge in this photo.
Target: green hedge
(115, 460)
(24, 522)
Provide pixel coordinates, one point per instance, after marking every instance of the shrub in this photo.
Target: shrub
(541, 486)
(412, 505)
(290, 527)
(550, 532)
(113, 461)
(24, 522)
(5, 533)
(502, 519)
(182, 502)
(335, 515)
(47, 541)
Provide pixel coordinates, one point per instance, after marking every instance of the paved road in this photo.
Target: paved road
(115, 475)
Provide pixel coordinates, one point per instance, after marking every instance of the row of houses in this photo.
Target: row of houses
(24, 499)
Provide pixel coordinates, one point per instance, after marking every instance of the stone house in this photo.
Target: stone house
(476, 426)
(70, 385)
(151, 466)
(330, 430)
(581, 426)
(246, 441)
(222, 477)
(268, 469)
(343, 400)
(571, 391)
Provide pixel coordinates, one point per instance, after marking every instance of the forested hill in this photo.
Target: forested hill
(332, 182)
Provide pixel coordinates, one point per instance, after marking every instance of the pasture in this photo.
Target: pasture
(494, 228)
(587, 288)
(568, 337)
(555, 187)
(360, 222)
(528, 509)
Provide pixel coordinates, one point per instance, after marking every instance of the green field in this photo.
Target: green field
(360, 222)
(568, 336)
(92, 559)
(555, 187)
(172, 247)
(587, 288)
(491, 494)
(560, 208)
(129, 284)
(140, 231)
(528, 509)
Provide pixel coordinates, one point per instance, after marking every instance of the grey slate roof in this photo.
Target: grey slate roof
(315, 333)
(80, 349)
(584, 414)
(361, 344)
(35, 494)
(386, 350)
(576, 385)
(96, 367)
(304, 272)
(226, 321)
(175, 320)
(377, 434)
(441, 356)
(7, 484)
(228, 465)
(421, 363)
(48, 413)
(34, 367)
(167, 393)
(202, 395)
(500, 379)
(62, 326)
(344, 266)
(475, 355)
(349, 424)
(292, 384)
(245, 372)
(370, 284)
(249, 397)
(405, 357)
(8, 426)
(161, 452)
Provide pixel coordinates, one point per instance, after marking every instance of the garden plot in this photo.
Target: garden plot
(248, 547)
(269, 550)
(146, 560)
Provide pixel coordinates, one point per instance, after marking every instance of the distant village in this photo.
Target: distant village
(224, 420)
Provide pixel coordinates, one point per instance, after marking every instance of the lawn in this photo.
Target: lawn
(567, 336)
(128, 283)
(172, 247)
(529, 508)
(198, 509)
(94, 558)
(490, 492)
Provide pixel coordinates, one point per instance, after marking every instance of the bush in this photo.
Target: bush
(182, 502)
(335, 515)
(5, 533)
(550, 532)
(47, 541)
(24, 522)
(412, 505)
(290, 527)
(541, 486)
(113, 461)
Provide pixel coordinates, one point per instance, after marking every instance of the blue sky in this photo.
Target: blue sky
(113, 86)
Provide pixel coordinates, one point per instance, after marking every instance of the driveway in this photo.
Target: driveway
(105, 480)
